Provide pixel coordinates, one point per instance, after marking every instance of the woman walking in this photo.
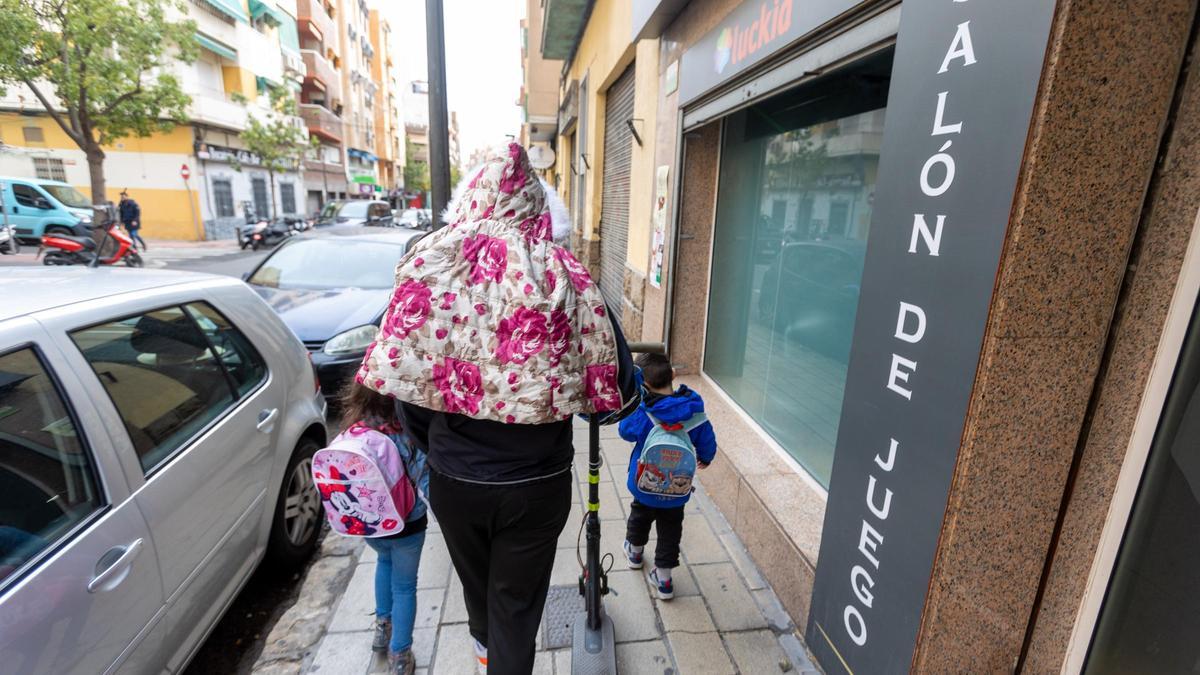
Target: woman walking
(495, 337)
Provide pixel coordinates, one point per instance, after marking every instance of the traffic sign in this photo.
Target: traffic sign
(185, 172)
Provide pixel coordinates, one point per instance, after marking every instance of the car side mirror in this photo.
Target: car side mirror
(43, 203)
(246, 276)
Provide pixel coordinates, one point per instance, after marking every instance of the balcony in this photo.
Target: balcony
(319, 69)
(322, 122)
(315, 22)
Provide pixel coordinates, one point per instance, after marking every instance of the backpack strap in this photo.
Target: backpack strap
(684, 426)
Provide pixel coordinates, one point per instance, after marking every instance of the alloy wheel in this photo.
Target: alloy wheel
(302, 504)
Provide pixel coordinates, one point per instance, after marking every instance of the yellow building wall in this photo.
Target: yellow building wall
(604, 51)
(240, 81)
(147, 167)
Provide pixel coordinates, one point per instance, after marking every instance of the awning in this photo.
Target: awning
(288, 38)
(230, 8)
(218, 48)
(261, 10)
(361, 154)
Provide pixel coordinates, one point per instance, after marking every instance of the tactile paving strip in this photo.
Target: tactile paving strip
(564, 605)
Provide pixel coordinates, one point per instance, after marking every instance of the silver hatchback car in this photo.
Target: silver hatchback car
(156, 431)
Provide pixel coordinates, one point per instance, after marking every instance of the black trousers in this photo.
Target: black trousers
(501, 540)
(667, 522)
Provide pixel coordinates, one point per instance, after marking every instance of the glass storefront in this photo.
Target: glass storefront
(796, 183)
(1151, 615)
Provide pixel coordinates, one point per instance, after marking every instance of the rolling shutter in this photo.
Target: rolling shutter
(614, 208)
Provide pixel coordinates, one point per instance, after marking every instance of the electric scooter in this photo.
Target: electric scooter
(69, 250)
(593, 648)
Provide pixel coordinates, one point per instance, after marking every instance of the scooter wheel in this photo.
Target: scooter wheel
(132, 259)
(55, 259)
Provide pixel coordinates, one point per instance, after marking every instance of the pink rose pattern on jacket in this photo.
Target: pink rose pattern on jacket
(521, 336)
(484, 327)
(409, 309)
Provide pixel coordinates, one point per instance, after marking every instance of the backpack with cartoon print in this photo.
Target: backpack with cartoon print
(363, 483)
(667, 465)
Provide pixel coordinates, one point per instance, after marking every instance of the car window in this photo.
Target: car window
(241, 360)
(47, 482)
(353, 210)
(305, 265)
(27, 195)
(380, 211)
(162, 376)
(68, 195)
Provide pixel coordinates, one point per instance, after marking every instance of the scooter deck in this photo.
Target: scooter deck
(594, 652)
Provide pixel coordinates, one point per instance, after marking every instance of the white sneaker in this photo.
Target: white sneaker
(632, 557)
(480, 656)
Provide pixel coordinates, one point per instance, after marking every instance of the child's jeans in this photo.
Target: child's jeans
(668, 523)
(396, 585)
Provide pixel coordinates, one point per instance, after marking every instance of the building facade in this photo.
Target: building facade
(360, 96)
(322, 103)
(246, 48)
(389, 123)
(934, 268)
(539, 90)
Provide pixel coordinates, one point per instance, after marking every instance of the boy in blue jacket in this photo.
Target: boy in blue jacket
(668, 406)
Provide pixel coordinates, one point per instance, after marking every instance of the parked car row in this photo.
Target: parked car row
(156, 435)
(34, 207)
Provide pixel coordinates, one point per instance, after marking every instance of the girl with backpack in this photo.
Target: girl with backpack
(399, 554)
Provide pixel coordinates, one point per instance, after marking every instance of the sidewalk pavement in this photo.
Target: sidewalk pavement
(724, 618)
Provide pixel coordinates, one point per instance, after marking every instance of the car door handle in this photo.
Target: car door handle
(115, 572)
(266, 420)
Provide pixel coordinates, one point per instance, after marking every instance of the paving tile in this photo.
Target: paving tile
(630, 607)
(700, 653)
(612, 503)
(343, 654)
(455, 655)
(543, 664)
(566, 538)
(757, 652)
(793, 646)
(566, 568)
(685, 614)
(772, 610)
(356, 611)
(741, 558)
(643, 658)
(429, 607)
(454, 609)
(562, 661)
(434, 571)
(368, 555)
(379, 664)
(732, 606)
(424, 640)
(699, 544)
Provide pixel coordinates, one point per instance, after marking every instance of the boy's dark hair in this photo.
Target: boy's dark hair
(656, 370)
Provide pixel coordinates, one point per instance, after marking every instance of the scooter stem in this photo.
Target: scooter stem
(594, 573)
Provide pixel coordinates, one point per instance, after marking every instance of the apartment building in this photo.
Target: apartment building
(934, 267)
(360, 94)
(539, 88)
(389, 141)
(246, 47)
(321, 102)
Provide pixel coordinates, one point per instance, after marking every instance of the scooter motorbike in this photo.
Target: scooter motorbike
(8, 240)
(70, 250)
(266, 233)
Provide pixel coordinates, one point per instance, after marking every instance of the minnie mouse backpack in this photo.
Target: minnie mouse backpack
(363, 483)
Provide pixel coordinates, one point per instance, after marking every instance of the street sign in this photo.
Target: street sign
(185, 172)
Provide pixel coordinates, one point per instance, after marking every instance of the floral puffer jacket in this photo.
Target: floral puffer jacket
(490, 318)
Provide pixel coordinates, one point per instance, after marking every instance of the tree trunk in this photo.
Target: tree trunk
(274, 212)
(95, 160)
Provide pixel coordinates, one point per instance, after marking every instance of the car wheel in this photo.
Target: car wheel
(59, 229)
(133, 259)
(297, 521)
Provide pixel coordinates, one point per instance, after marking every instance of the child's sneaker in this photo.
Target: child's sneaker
(664, 587)
(634, 558)
(480, 656)
(383, 634)
(403, 663)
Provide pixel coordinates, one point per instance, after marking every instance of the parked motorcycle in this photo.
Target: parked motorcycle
(8, 240)
(268, 233)
(71, 250)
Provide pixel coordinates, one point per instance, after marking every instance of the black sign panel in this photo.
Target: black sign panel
(751, 33)
(963, 85)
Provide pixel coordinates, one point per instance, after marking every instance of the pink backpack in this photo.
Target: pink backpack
(363, 483)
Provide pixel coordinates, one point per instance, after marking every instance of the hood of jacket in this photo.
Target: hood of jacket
(490, 318)
(676, 407)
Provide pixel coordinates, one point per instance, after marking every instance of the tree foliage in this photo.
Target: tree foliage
(278, 142)
(102, 69)
(416, 174)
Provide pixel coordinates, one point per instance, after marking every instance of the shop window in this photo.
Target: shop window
(49, 168)
(223, 198)
(797, 179)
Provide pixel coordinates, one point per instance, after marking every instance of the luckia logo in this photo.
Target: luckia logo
(741, 40)
(724, 50)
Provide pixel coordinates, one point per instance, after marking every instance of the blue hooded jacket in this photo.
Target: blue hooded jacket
(677, 407)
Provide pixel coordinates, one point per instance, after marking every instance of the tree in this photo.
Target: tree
(416, 174)
(102, 69)
(278, 142)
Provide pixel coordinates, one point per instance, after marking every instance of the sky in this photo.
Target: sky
(483, 62)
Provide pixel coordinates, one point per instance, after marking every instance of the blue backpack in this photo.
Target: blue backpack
(667, 464)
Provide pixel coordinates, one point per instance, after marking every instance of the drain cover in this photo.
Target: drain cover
(563, 605)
